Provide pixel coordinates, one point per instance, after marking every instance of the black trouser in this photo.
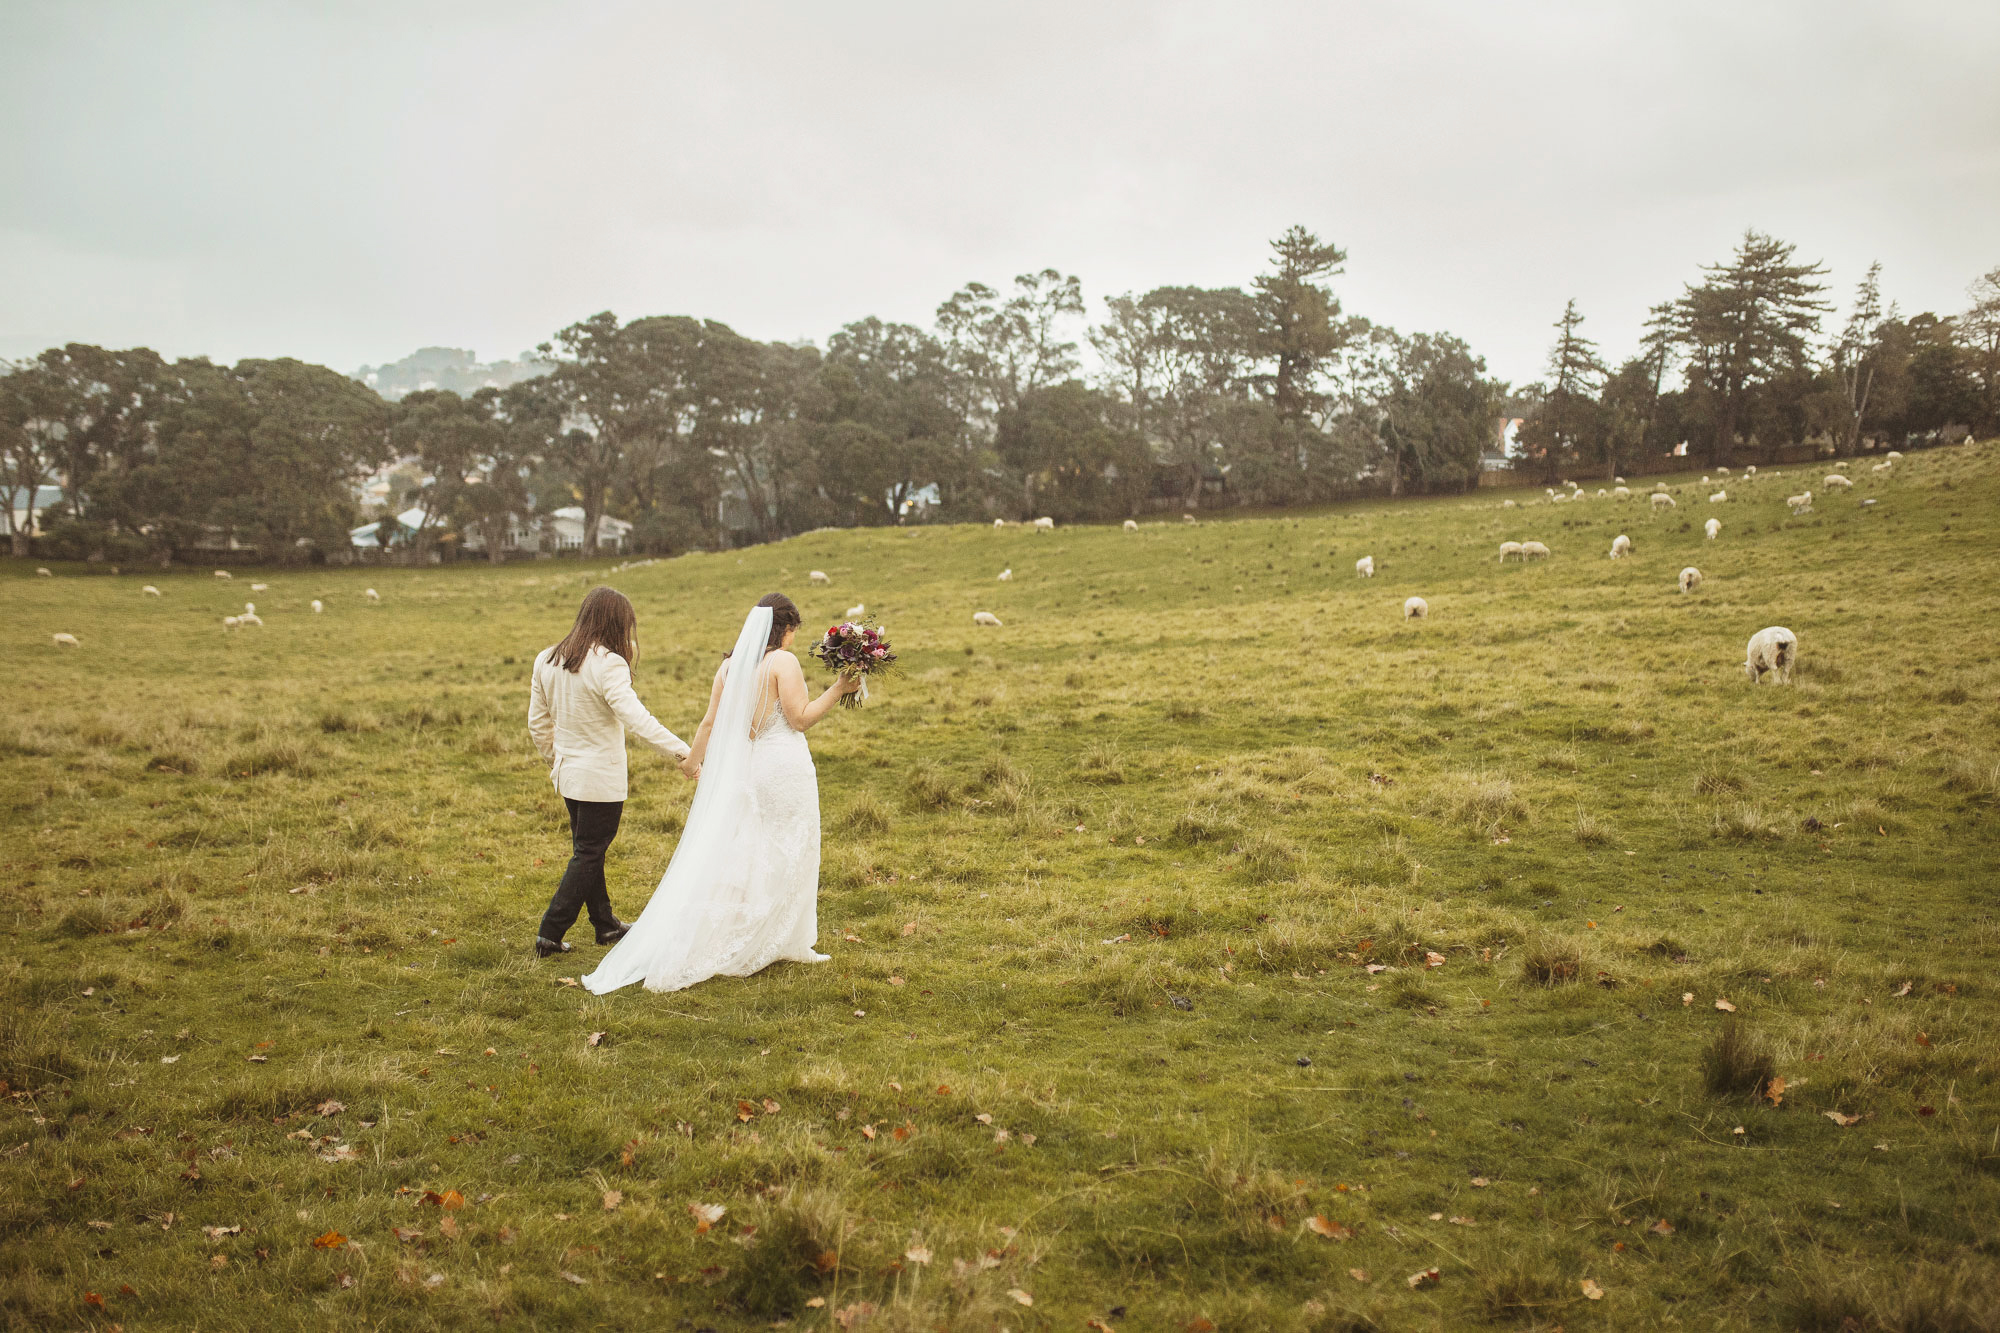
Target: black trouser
(592, 826)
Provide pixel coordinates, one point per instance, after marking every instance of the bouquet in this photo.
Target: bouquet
(855, 648)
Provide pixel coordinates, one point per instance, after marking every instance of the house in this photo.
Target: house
(388, 532)
(566, 524)
(24, 516)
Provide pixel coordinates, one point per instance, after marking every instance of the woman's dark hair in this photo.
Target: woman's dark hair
(607, 618)
(784, 616)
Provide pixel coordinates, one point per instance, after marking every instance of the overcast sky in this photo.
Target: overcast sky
(345, 182)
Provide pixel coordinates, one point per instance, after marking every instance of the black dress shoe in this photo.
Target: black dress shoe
(543, 948)
(615, 934)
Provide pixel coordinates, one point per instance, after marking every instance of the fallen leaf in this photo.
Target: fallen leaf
(1427, 1277)
(901, 1132)
(216, 1233)
(218, 1261)
(1591, 1291)
(448, 1227)
(706, 1215)
(612, 1198)
(1358, 1274)
(850, 937)
(909, 927)
(1480, 1182)
(1775, 1089)
(408, 1234)
(169, 1059)
(1374, 968)
(983, 1118)
(770, 1107)
(580, 1281)
(1021, 1296)
(569, 981)
(1901, 992)
(1433, 959)
(1725, 1006)
(1687, 997)
(944, 1090)
(868, 1132)
(1463, 1222)
(1842, 1119)
(332, 1240)
(1662, 1228)
(1926, 1110)
(816, 1303)
(896, 981)
(329, 1108)
(1319, 1226)
(594, 1039)
(918, 1254)
(1923, 1039)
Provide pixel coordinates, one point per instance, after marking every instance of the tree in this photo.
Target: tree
(890, 423)
(1191, 370)
(1746, 323)
(1437, 414)
(454, 440)
(1001, 350)
(1079, 463)
(1298, 326)
(34, 409)
(756, 420)
(1563, 431)
(1979, 327)
(1856, 356)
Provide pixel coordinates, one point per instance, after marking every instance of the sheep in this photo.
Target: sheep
(43, 574)
(817, 578)
(999, 522)
(224, 574)
(1559, 499)
(1704, 479)
(1883, 467)
(1660, 486)
(149, 591)
(1720, 497)
(1690, 579)
(1509, 504)
(1131, 525)
(1007, 575)
(1661, 500)
(1045, 524)
(1801, 503)
(1534, 551)
(1510, 548)
(1836, 482)
(1415, 608)
(374, 596)
(1776, 650)
(1618, 481)
(855, 612)
(1187, 518)
(1721, 471)
(260, 587)
(1713, 528)
(1894, 455)
(1621, 546)
(249, 608)
(230, 622)
(1602, 493)
(65, 641)
(1750, 471)
(317, 606)
(986, 618)
(1365, 567)
(249, 618)
(1621, 493)
(1841, 466)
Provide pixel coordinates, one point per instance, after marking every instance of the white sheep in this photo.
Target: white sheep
(855, 612)
(1508, 504)
(1602, 493)
(999, 522)
(249, 608)
(1045, 524)
(817, 578)
(1621, 493)
(65, 641)
(1690, 579)
(149, 591)
(1840, 466)
(1621, 546)
(1801, 503)
(1007, 575)
(231, 622)
(1894, 455)
(1510, 548)
(1661, 500)
(1775, 650)
(374, 596)
(1365, 567)
(1720, 497)
(249, 618)
(1131, 525)
(43, 574)
(260, 587)
(317, 606)
(1415, 608)
(1704, 479)
(1558, 499)
(1713, 528)
(1836, 482)
(224, 574)
(1750, 471)
(986, 618)
(1721, 471)
(1883, 467)
(1534, 551)
(1618, 481)
(1187, 518)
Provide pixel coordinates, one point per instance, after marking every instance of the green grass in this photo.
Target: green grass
(1111, 880)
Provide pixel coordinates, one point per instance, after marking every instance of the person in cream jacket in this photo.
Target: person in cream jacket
(580, 705)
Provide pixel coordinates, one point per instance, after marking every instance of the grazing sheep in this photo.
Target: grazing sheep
(999, 522)
(986, 618)
(1559, 499)
(1621, 546)
(1621, 493)
(1508, 504)
(1602, 493)
(1618, 481)
(249, 608)
(1661, 500)
(1045, 524)
(1835, 482)
(1894, 455)
(317, 607)
(1713, 528)
(1883, 467)
(855, 612)
(66, 641)
(149, 591)
(817, 578)
(1801, 504)
(224, 574)
(1775, 650)
(1131, 525)
(1722, 472)
(1187, 518)
(1720, 497)
(43, 574)
(249, 618)
(1510, 548)
(1365, 567)
(1750, 471)
(374, 596)
(1690, 579)
(1704, 479)
(1840, 466)
(1007, 575)
(1534, 551)
(1415, 608)
(231, 622)
(1660, 486)
(260, 587)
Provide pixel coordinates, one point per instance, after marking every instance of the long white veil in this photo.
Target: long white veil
(702, 897)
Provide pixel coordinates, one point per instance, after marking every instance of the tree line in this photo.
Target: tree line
(1267, 394)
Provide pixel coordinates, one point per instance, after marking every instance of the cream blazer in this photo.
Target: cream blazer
(578, 720)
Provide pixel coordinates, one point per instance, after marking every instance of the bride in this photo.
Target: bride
(742, 889)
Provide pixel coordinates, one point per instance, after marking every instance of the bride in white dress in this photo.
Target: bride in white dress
(742, 890)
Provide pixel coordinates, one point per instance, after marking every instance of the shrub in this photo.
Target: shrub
(1589, 830)
(1716, 780)
(931, 788)
(1736, 1064)
(1551, 963)
(865, 814)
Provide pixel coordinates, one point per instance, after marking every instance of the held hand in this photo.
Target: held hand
(689, 768)
(849, 684)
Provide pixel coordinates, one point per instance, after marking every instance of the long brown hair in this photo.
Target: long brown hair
(784, 616)
(606, 618)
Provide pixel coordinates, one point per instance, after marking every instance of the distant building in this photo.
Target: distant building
(26, 512)
(566, 525)
(453, 368)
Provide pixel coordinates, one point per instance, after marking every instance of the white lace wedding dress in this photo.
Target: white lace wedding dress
(742, 889)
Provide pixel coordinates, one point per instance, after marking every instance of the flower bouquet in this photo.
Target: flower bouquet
(855, 648)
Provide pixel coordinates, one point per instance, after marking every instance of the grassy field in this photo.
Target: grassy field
(1212, 948)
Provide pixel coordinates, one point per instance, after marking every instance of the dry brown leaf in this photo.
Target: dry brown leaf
(896, 981)
(1318, 1225)
(1591, 1291)
(868, 1132)
(1687, 997)
(918, 1254)
(1425, 1278)
(612, 1198)
(332, 1240)
(983, 1118)
(1432, 959)
(770, 1107)
(1725, 1006)
(594, 1039)
(448, 1227)
(572, 1277)
(1021, 1296)
(1358, 1274)
(408, 1234)
(569, 981)
(1775, 1089)
(1842, 1119)
(1480, 1182)
(1662, 1228)
(1463, 1222)
(706, 1215)
(1923, 1039)
(1901, 991)
(909, 928)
